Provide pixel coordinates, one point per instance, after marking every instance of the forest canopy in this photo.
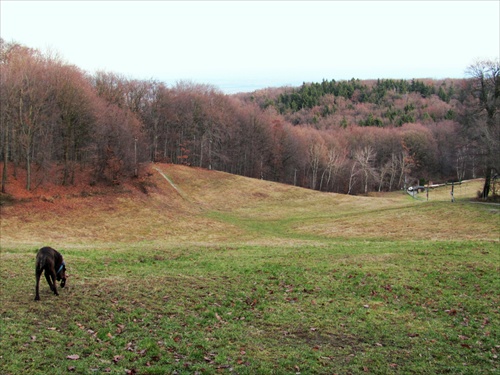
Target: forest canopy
(339, 136)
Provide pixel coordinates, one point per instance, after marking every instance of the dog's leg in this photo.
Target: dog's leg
(38, 273)
(51, 280)
(54, 279)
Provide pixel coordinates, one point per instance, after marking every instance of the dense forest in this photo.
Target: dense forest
(350, 136)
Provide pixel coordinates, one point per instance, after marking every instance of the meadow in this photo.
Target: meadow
(200, 272)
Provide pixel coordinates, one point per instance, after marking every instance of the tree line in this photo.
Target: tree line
(309, 95)
(348, 136)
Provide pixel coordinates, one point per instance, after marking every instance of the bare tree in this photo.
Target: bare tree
(385, 170)
(481, 115)
(33, 106)
(6, 112)
(394, 167)
(365, 158)
(461, 162)
(315, 157)
(354, 171)
(407, 162)
(74, 99)
(334, 162)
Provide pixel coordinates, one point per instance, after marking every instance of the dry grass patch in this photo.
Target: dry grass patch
(396, 216)
(115, 217)
(435, 221)
(213, 207)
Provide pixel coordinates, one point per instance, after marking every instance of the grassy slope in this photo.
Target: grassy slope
(228, 274)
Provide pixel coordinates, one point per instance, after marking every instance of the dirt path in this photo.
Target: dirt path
(177, 189)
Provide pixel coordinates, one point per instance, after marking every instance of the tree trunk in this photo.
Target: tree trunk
(487, 184)
(351, 178)
(28, 170)
(321, 179)
(366, 182)
(5, 159)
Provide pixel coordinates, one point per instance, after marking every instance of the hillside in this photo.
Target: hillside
(196, 271)
(178, 204)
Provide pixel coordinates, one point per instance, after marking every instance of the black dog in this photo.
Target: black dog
(50, 261)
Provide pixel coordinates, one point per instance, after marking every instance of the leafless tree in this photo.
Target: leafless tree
(365, 158)
(482, 115)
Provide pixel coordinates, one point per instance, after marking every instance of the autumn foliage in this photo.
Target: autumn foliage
(348, 136)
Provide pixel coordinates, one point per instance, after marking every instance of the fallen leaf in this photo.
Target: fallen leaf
(117, 358)
(120, 328)
(71, 368)
(73, 357)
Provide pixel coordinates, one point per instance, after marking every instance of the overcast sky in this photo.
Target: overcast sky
(244, 45)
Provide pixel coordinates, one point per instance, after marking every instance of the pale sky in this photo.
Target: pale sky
(245, 45)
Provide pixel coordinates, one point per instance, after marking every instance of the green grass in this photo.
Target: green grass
(282, 293)
(346, 307)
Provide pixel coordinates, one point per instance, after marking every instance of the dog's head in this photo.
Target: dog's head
(61, 274)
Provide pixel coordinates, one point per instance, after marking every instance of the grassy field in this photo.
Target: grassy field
(200, 272)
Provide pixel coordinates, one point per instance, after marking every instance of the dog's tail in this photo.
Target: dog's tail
(40, 263)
